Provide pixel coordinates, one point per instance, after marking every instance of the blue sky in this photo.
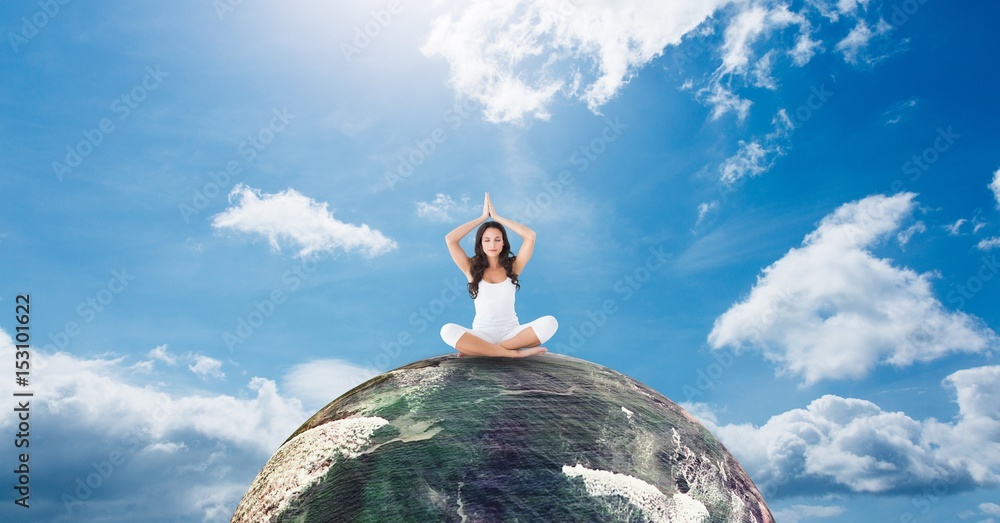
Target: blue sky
(783, 216)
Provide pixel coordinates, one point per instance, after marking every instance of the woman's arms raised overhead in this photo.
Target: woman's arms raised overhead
(456, 235)
(528, 235)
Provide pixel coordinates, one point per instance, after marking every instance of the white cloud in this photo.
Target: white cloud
(205, 367)
(805, 48)
(761, 72)
(833, 9)
(751, 160)
(514, 57)
(897, 111)
(750, 25)
(783, 126)
(722, 101)
(955, 228)
(825, 9)
(988, 244)
(797, 513)
(441, 208)
(851, 6)
(704, 209)
(746, 28)
(904, 236)
(855, 44)
(855, 41)
(830, 309)
(740, 35)
(101, 394)
(756, 157)
(289, 215)
(748, 40)
(990, 509)
(181, 445)
(202, 366)
(162, 354)
(319, 382)
(995, 187)
(854, 444)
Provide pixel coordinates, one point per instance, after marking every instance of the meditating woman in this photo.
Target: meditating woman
(493, 274)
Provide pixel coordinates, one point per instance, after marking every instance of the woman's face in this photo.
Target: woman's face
(492, 242)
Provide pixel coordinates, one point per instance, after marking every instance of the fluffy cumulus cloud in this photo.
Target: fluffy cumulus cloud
(115, 435)
(830, 309)
(514, 57)
(206, 367)
(291, 216)
(319, 382)
(853, 444)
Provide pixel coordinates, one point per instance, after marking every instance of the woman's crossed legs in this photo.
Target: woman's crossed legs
(502, 343)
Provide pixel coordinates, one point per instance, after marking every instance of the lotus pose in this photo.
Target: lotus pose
(492, 274)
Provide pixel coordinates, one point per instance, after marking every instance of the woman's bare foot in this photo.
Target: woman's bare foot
(531, 351)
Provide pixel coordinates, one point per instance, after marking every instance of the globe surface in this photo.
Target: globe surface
(548, 438)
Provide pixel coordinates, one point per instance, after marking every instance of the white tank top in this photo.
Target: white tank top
(495, 305)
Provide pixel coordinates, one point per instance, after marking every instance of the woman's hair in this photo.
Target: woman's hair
(479, 262)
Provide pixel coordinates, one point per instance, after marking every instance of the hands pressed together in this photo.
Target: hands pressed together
(488, 210)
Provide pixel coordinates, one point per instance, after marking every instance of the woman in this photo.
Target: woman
(492, 274)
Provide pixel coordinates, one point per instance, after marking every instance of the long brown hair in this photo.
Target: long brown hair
(479, 262)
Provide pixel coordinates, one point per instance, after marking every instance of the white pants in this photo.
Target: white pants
(544, 328)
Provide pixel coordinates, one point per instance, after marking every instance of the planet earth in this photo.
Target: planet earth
(549, 438)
